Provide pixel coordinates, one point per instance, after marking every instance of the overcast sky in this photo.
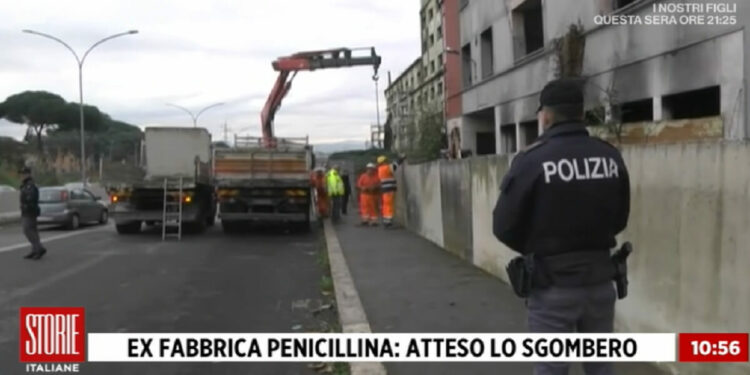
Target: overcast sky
(195, 53)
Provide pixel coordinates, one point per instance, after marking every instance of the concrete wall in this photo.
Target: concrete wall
(9, 206)
(690, 214)
(455, 188)
(419, 205)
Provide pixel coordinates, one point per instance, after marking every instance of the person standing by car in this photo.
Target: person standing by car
(29, 197)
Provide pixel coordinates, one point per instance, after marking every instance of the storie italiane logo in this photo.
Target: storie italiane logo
(52, 339)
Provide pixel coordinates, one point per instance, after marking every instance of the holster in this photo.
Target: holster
(620, 260)
(521, 274)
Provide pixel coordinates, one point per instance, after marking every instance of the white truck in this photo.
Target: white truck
(266, 185)
(177, 185)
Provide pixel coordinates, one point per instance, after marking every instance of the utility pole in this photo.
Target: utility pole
(376, 135)
(226, 137)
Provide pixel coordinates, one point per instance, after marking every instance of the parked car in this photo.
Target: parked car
(70, 207)
(7, 189)
(95, 188)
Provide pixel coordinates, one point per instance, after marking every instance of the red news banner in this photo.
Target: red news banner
(713, 347)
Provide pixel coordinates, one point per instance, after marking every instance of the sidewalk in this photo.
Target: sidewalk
(408, 284)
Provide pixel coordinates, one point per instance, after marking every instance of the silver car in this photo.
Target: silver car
(70, 207)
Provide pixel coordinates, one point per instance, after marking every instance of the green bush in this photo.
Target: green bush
(8, 178)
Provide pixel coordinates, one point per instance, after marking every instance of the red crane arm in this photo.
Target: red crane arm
(311, 60)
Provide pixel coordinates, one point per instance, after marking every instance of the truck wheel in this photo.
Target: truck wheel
(129, 228)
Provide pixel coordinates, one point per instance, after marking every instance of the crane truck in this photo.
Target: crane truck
(267, 179)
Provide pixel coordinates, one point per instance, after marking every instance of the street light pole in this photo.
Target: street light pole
(195, 117)
(80, 62)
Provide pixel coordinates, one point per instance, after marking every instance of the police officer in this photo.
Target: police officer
(29, 197)
(564, 199)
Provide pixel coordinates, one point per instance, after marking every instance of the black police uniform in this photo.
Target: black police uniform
(564, 200)
(29, 199)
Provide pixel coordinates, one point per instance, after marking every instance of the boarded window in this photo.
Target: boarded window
(529, 132)
(623, 3)
(485, 143)
(637, 111)
(466, 67)
(692, 104)
(528, 29)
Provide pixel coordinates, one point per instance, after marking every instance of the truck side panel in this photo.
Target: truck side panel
(172, 151)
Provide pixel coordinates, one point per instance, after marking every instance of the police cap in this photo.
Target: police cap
(563, 91)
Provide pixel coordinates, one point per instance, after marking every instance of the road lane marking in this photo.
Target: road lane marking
(351, 313)
(52, 238)
(7, 335)
(69, 271)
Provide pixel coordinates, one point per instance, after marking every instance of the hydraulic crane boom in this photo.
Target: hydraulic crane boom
(289, 66)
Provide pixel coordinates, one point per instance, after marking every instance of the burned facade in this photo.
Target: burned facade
(646, 83)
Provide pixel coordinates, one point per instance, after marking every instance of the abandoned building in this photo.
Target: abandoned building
(645, 83)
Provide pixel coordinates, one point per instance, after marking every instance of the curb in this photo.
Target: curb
(351, 313)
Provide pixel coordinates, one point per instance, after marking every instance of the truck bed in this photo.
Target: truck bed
(253, 166)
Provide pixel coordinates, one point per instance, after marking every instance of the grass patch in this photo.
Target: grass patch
(326, 284)
(341, 368)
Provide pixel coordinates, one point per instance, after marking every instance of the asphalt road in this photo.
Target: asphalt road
(263, 281)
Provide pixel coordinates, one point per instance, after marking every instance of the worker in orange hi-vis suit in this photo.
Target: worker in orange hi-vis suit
(318, 183)
(368, 185)
(387, 190)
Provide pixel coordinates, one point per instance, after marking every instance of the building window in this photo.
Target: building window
(440, 88)
(440, 60)
(487, 52)
(466, 65)
(439, 32)
(432, 66)
(692, 104)
(485, 143)
(637, 111)
(463, 4)
(528, 29)
(432, 40)
(508, 138)
(623, 3)
(529, 132)
(429, 14)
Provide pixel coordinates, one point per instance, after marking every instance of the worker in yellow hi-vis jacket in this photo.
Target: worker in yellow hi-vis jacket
(335, 187)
